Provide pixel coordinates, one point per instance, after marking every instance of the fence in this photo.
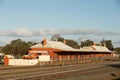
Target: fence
(61, 63)
(48, 62)
(23, 62)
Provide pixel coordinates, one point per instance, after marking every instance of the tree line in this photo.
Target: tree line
(19, 47)
(88, 42)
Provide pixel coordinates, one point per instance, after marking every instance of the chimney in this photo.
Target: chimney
(100, 44)
(44, 42)
(94, 44)
(64, 41)
(104, 45)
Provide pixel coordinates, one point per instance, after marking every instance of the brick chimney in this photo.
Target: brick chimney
(64, 41)
(94, 44)
(104, 45)
(100, 44)
(44, 42)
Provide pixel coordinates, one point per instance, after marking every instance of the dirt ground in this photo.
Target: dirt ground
(109, 70)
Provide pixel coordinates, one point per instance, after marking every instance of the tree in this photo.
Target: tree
(108, 44)
(17, 47)
(55, 37)
(117, 50)
(69, 42)
(72, 43)
(61, 39)
(9, 49)
(1, 49)
(87, 43)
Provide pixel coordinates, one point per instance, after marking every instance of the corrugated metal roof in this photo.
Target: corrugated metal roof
(62, 46)
(39, 45)
(95, 49)
(53, 44)
(58, 45)
(100, 48)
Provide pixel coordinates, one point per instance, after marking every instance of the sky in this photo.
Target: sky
(32, 20)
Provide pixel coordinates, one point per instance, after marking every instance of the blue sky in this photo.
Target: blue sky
(35, 19)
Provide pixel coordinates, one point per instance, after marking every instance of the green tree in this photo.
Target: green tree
(9, 49)
(108, 44)
(55, 37)
(72, 43)
(1, 49)
(117, 50)
(61, 39)
(87, 43)
(69, 42)
(17, 47)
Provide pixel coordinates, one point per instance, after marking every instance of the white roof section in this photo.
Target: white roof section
(53, 44)
(100, 48)
(95, 49)
(87, 48)
(39, 45)
(58, 45)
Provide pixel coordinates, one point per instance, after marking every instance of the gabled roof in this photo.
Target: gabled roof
(100, 48)
(64, 47)
(95, 49)
(54, 45)
(58, 45)
(39, 45)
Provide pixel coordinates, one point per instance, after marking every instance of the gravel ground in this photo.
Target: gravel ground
(89, 71)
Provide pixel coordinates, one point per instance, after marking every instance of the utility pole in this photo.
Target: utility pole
(104, 44)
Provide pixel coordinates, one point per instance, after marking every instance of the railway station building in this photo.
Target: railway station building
(59, 51)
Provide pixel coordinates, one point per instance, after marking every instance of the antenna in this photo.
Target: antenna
(103, 40)
(80, 39)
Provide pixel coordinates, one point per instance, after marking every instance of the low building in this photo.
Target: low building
(59, 51)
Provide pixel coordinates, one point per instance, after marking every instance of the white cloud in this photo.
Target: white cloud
(92, 34)
(24, 32)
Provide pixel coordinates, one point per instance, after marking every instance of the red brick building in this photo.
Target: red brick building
(60, 51)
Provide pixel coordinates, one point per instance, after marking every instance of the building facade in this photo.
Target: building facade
(59, 51)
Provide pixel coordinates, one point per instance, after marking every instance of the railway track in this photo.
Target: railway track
(37, 72)
(37, 66)
(36, 69)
